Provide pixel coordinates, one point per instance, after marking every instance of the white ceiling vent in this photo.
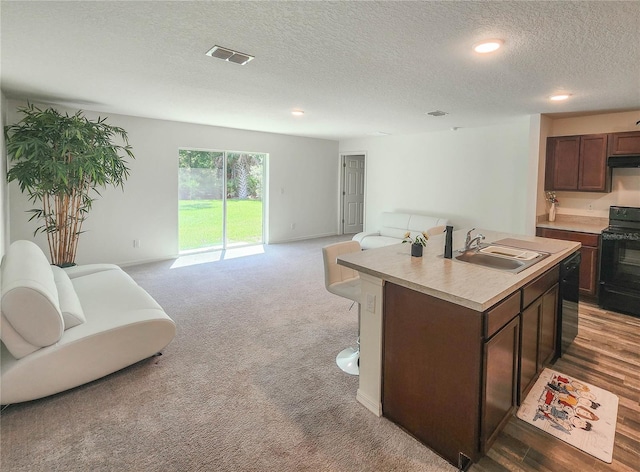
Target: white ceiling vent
(437, 113)
(229, 55)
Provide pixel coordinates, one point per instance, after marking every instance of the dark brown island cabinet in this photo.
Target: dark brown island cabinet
(453, 376)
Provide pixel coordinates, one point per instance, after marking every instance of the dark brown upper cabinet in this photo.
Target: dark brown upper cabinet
(624, 144)
(577, 163)
(593, 173)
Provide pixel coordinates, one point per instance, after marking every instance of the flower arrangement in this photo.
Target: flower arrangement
(551, 197)
(553, 200)
(420, 239)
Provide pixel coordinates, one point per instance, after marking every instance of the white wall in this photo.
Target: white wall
(302, 189)
(4, 188)
(542, 207)
(477, 177)
(536, 145)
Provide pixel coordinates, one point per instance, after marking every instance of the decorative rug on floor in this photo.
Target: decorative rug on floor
(578, 413)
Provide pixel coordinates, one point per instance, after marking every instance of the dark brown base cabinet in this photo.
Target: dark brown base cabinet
(538, 337)
(500, 385)
(589, 253)
(452, 375)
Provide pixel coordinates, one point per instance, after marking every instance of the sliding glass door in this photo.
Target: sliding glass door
(220, 199)
(244, 207)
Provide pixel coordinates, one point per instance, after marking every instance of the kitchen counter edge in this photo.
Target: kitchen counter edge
(395, 265)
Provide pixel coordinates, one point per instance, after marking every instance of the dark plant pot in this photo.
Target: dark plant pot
(416, 250)
(66, 264)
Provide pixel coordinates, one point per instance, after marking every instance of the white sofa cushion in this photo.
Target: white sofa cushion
(84, 270)
(29, 300)
(70, 306)
(97, 290)
(381, 241)
(19, 348)
(394, 226)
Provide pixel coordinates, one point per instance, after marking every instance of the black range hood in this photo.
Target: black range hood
(623, 161)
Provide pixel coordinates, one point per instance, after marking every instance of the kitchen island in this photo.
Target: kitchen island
(448, 348)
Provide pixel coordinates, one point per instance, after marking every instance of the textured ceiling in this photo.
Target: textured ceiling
(355, 68)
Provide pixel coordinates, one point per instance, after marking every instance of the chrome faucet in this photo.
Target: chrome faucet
(468, 242)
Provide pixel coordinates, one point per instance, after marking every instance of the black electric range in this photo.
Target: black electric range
(620, 261)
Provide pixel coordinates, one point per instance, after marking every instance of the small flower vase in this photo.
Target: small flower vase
(552, 212)
(416, 250)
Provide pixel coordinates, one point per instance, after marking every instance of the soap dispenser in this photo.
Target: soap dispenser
(448, 243)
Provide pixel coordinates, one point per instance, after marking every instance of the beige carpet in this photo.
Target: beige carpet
(248, 384)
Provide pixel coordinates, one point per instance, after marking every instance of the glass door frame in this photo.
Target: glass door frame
(224, 246)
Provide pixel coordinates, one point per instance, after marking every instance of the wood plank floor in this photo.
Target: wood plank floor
(606, 353)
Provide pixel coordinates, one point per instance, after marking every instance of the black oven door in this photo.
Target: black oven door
(620, 271)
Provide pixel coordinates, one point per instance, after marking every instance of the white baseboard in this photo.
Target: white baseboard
(175, 256)
(372, 405)
(146, 261)
(301, 238)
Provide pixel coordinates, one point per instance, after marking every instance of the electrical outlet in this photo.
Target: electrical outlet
(371, 303)
(136, 243)
(293, 226)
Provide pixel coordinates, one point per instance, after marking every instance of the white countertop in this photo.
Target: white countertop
(465, 284)
(581, 224)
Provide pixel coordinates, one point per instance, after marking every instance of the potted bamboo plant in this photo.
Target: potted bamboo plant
(60, 161)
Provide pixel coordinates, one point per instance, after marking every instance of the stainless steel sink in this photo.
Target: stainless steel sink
(503, 258)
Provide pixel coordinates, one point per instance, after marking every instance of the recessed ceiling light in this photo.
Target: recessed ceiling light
(297, 112)
(559, 97)
(487, 46)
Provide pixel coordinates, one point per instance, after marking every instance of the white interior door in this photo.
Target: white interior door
(352, 194)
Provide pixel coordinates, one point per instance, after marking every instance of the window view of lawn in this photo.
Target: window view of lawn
(205, 178)
(201, 223)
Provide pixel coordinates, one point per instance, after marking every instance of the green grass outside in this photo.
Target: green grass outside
(200, 223)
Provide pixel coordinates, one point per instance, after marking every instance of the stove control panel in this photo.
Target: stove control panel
(619, 214)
